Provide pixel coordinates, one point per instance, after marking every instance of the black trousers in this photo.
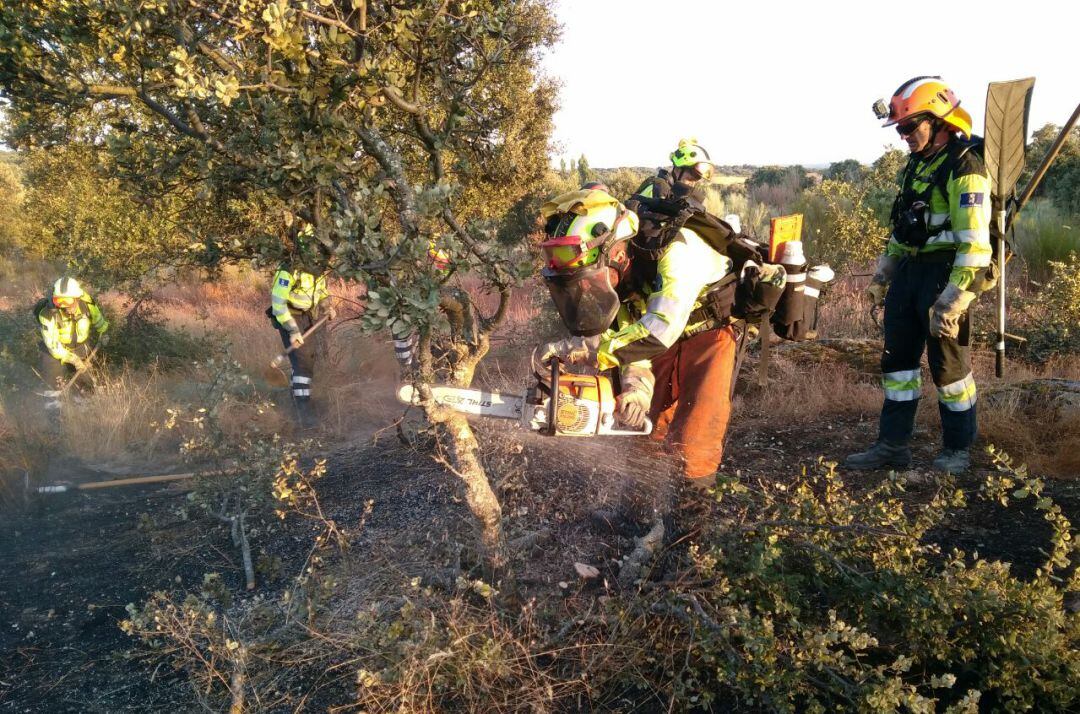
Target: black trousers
(302, 360)
(914, 289)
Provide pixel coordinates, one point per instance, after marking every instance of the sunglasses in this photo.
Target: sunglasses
(908, 127)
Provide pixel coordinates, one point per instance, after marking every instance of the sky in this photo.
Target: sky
(770, 82)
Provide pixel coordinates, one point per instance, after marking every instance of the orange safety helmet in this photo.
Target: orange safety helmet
(928, 95)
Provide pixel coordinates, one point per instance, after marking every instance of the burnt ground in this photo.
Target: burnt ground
(72, 562)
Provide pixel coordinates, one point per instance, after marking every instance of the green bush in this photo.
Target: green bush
(815, 598)
(1053, 314)
(840, 227)
(141, 338)
(1044, 234)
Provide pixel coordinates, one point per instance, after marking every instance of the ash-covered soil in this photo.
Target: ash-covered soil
(72, 562)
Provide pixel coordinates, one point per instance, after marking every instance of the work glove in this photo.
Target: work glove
(883, 275)
(945, 314)
(331, 313)
(77, 362)
(572, 350)
(103, 338)
(296, 340)
(875, 293)
(632, 405)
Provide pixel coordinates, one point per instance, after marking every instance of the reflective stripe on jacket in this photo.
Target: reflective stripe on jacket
(648, 326)
(965, 204)
(59, 330)
(297, 289)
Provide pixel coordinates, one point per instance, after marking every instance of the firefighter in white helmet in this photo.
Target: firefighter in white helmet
(66, 318)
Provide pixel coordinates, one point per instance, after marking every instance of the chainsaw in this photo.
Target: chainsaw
(585, 405)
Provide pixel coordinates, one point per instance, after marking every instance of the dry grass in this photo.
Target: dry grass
(728, 180)
(357, 376)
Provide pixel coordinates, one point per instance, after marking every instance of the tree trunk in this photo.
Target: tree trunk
(481, 498)
(469, 342)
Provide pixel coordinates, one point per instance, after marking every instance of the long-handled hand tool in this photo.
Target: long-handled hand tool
(1007, 105)
(583, 405)
(79, 372)
(277, 365)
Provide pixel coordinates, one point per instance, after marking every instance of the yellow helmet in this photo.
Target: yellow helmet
(692, 155)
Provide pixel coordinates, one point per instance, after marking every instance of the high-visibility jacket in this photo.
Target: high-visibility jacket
(60, 330)
(958, 217)
(297, 289)
(647, 325)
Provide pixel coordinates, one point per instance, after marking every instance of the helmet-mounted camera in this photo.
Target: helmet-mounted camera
(881, 109)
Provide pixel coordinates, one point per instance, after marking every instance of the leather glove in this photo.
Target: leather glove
(572, 350)
(875, 293)
(331, 313)
(945, 314)
(77, 362)
(103, 338)
(883, 275)
(632, 405)
(296, 340)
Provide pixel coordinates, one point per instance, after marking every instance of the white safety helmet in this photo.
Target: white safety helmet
(66, 291)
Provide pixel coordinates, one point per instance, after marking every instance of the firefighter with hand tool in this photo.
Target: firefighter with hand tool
(297, 297)
(936, 263)
(655, 303)
(65, 318)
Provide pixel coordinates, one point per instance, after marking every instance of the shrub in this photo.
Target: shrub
(814, 598)
(141, 338)
(1054, 312)
(839, 226)
(1044, 234)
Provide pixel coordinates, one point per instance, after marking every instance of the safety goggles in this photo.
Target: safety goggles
(63, 302)
(909, 126)
(566, 252)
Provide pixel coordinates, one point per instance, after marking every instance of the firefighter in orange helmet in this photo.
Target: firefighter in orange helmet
(930, 273)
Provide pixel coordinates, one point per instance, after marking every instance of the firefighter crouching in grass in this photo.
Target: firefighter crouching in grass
(934, 266)
(65, 320)
(298, 297)
(670, 294)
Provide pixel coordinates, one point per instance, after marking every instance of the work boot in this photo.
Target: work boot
(880, 455)
(953, 461)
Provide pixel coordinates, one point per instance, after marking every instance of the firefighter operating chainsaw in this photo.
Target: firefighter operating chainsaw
(585, 405)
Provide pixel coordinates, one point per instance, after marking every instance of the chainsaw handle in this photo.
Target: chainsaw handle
(645, 430)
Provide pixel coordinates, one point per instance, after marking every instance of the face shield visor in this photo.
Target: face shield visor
(576, 270)
(585, 298)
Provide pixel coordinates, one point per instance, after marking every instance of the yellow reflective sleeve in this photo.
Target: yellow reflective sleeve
(50, 335)
(321, 291)
(685, 269)
(279, 297)
(97, 320)
(613, 340)
(969, 213)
